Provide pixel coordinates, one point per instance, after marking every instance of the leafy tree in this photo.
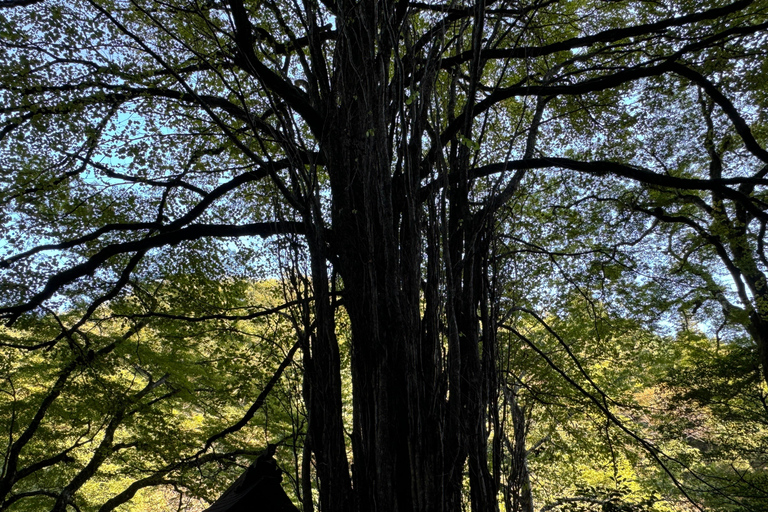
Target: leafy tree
(607, 439)
(127, 402)
(432, 168)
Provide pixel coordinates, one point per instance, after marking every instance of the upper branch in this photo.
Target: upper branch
(247, 58)
(192, 232)
(728, 107)
(606, 36)
(645, 176)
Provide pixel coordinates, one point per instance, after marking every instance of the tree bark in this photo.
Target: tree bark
(414, 427)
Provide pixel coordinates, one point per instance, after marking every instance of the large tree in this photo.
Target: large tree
(388, 147)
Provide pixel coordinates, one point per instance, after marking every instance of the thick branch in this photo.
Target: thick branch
(159, 477)
(18, 3)
(606, 36)
(192, 232)
(294, 96)
(648, 177)
(730, 110)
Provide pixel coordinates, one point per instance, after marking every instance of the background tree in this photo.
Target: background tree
(130, 402)
(384, 144)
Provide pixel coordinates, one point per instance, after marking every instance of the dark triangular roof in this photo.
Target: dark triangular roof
(257, 489)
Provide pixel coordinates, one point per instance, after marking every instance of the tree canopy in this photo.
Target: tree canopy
(492, 255)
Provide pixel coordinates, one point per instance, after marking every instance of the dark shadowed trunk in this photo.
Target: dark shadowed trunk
(418, 402)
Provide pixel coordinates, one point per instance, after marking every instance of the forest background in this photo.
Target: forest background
(446, 256)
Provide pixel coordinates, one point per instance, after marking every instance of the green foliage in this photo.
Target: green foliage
(160, 388)
(698, 405)
(558, 208)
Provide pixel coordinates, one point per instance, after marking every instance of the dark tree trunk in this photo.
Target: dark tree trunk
(520, 480)
(419, 361)
(417, 418)
(326, 427)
